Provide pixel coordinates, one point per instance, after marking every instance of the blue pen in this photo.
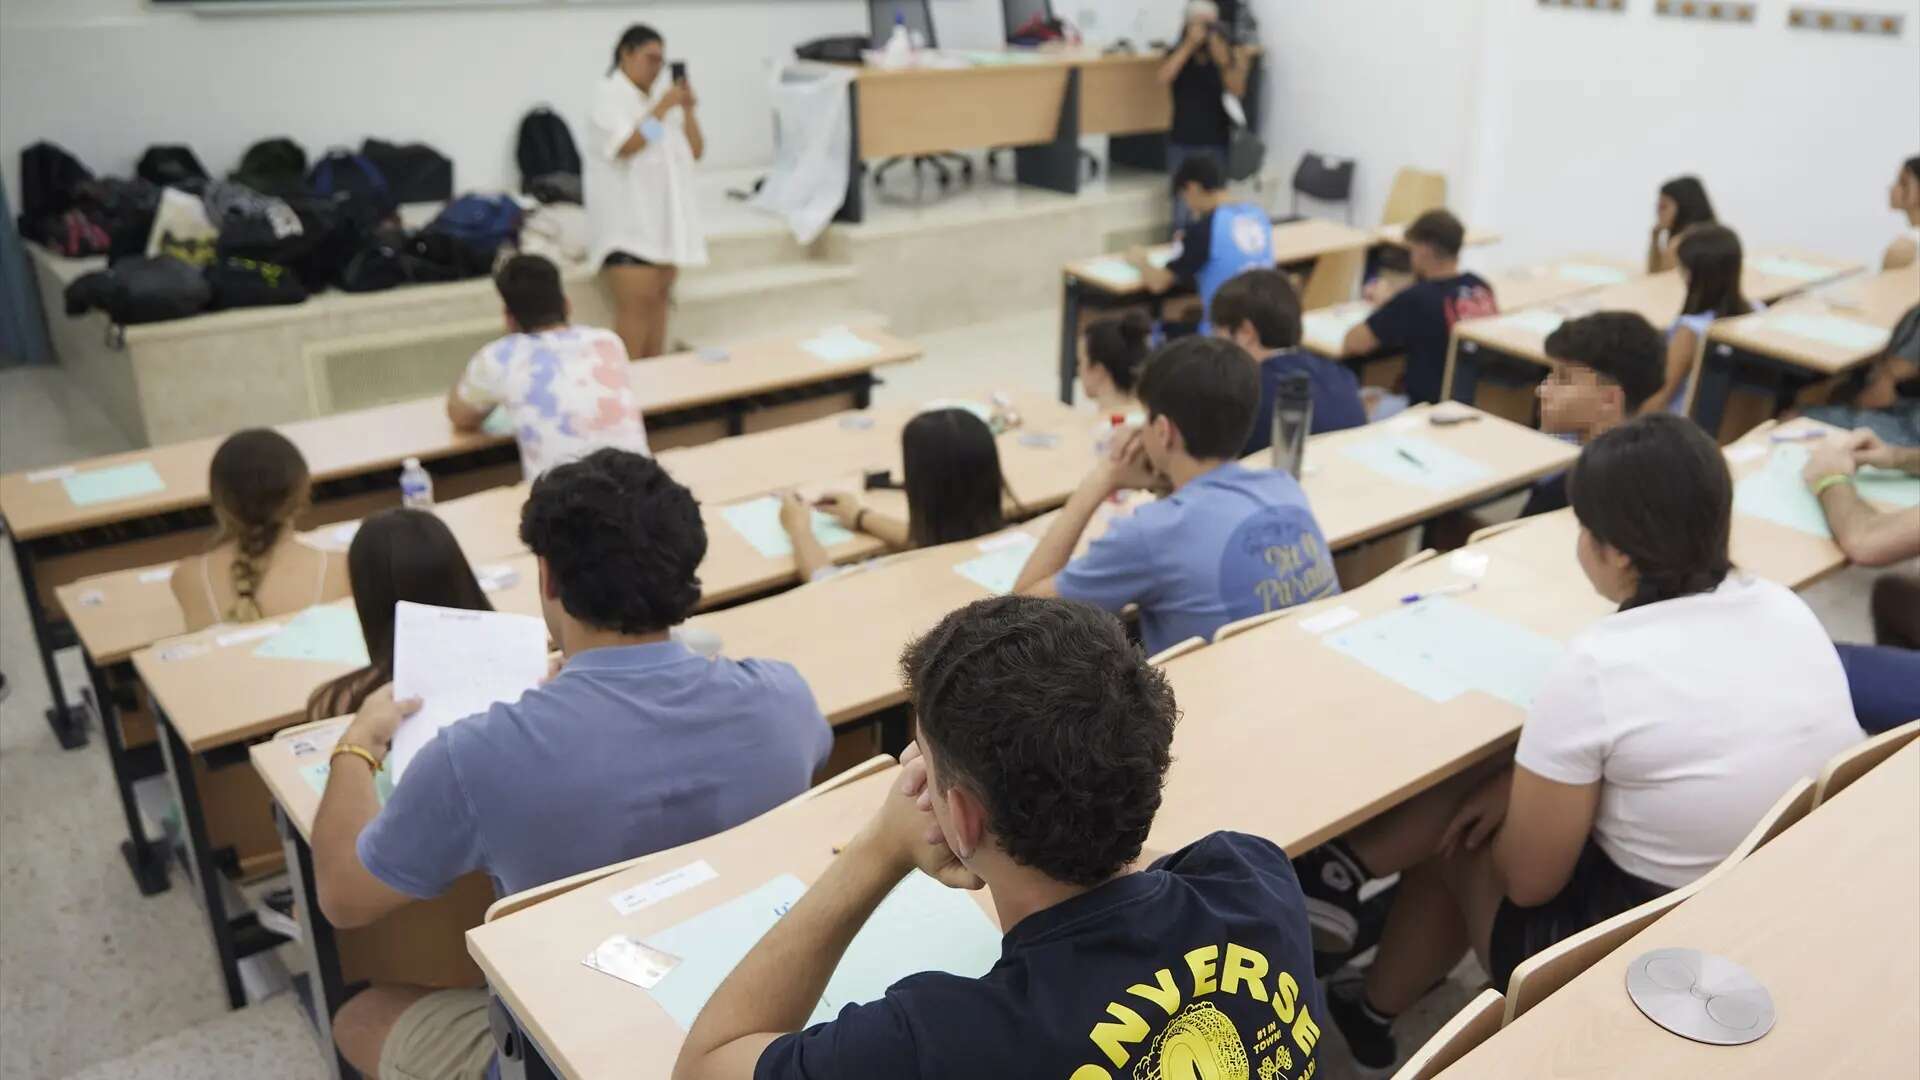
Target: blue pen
(1449, 590)
(1402, 451)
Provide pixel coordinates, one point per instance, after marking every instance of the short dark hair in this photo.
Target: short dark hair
(1690, 203)
(1264, 298)
(1057, 722)
(1712, 258)
(622, 541)
(1912, 165)
(951, 468)
(1118, 346)
(530, 287)
(1621, 346)
(1439, 230)
(1202, 169)
(1656, 489)
(637, 36)
(1208, 387)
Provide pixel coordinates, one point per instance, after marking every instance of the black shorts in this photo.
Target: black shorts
(622, 258)
(1598, 891)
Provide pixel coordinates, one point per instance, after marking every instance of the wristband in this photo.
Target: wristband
(351, 750)
(859, 516)
(652, 129)
(1830, 480)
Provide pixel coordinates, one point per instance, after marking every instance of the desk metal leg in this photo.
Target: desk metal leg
(68, 723)
(146, 859)
(321, 989)
(520, 1056)
(1716, 384)
(1071, 292)
(853, 210)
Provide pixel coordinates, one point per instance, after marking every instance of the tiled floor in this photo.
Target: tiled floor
(97, 982)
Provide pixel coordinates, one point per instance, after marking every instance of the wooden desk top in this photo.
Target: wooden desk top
(1656, 297)
(280, 760)
(1877, 300)
(1397, 235)
(1293, 241)
(36, 504)
(1825, 917)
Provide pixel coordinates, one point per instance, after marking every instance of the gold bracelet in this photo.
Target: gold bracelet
(1830, 480)
(360, 752)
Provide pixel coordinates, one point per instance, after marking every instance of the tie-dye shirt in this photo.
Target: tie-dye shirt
(565, 391)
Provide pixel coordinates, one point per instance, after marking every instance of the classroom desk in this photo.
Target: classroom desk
(1521, 337)
(1086, 283)
(355, 458)
(1824, 916)
(1765, 351)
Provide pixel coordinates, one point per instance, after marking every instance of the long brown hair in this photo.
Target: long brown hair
(258, 484)
(953, 478)
(397, 555)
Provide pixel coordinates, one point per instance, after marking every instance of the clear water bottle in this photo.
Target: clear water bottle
(1292, 417)
(416, 486)
(899, 49)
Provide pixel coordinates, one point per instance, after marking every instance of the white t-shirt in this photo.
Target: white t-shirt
(565, 390)
(1695, 715)
(645, 204)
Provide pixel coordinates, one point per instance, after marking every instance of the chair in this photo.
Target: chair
(1850, 765)
(919, 20)
(1414, 192)
(1235, 629)
(1410, 562)
(1786, 811)
(1488, 532)
(1324, 178)
(1178, 649)
(1015, 14)
(1469, 1028)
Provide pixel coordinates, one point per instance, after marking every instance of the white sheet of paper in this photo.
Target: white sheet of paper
(1114, 271)
(1538, 322)
(1589, 274)
(1328, 327)
(458, 663)
(156, 575)
(838, 345)
(1781, 266)
(1831, 330)
(672, 883)
(1331, 619)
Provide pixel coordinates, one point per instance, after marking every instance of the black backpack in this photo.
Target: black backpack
(415, 172)
(369, 199)
(125, 209)
(243, 283)
(142, 290)
(546, 147)
(168, 165)
(276, 167)
(50, 180)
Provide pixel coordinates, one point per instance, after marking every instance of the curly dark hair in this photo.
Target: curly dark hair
(1049, 714)
(621, 539)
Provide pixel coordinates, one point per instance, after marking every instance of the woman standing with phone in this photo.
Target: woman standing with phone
(640, 197)
(1203, 67)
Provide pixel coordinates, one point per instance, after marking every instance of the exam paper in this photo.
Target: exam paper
(1539, 322)
(1781, 266)
(1831, 330)
(1589, 274)
(998, 569)
(329, 634)
(458, 663)
(838, 345)
(1441, 648)
(113, 484)
(1410, 459)
(758, 522)
(1113, 270)
(1778, 492)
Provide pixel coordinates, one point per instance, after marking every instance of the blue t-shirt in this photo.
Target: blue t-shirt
(1201, 965)
(1419, 321)
(1336, 396)
(629, 750)
(1229, 240)
(1232, 543)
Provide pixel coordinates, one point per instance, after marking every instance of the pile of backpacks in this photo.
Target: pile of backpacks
(276, 230)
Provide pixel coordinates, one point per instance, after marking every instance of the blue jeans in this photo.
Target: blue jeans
(1177, 155)
(1885, 682)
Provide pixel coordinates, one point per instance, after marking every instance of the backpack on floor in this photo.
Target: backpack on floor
(276, 167)
(369, 199)
(74, 235)
(415, 172)
(50, 180)
(546, 149)
(142, 290)
(125, 209)
(244, 283)
(480, 223)
(170, 164)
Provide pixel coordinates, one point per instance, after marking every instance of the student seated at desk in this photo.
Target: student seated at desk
(1226, 236)
(1710, 264)
(1904, 196)
(1681, 205)
(951, 467)
(396, 555)
(1112, 352)
(1045, 740)
(1654, 744)
(564, 387)
(1605, 366)
(1885, 679)
(1419, 319)
(635, 745)
(257, 568)
(1260, 312)
(1227, 541)
(1885, 397)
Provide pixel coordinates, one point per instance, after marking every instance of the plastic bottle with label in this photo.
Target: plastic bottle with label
(416, 486)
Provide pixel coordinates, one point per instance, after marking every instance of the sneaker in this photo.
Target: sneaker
(1372, 920)
(1331, 877)
(1369, 1035)
(276, 914)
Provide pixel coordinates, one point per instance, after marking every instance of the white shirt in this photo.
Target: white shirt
(644, 204)
(1695, 715)
(565, 390)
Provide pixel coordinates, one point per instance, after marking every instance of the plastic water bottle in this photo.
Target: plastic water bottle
(416, 486)
(1292, 418)
(899, 50)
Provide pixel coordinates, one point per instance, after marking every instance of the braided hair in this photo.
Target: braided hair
(258, 483)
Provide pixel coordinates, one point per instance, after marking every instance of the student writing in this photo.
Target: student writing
(1227, 236)
(1419, 319)
(1259, 311)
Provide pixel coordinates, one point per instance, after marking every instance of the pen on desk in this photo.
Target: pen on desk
(1448, 590)
(1804, 435)
(1402, 451)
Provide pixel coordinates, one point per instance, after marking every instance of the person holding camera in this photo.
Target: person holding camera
(641, 204)
(1203, 67)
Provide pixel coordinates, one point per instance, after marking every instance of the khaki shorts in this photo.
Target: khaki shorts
(443, 1036)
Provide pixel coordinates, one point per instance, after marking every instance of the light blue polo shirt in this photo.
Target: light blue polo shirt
(629, 750)
(1232, 543)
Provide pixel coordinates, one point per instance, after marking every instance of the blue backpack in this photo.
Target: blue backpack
(481, 223)
(368, 199)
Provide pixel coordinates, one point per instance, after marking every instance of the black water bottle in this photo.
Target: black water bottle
(1292, 417)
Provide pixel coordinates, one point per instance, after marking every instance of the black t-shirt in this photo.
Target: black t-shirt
(1198, 117)
(1547, 495)
(1205, 955)
(1419, 321)
(1196, 250)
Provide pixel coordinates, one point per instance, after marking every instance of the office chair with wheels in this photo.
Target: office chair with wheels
(918, 16)
(1018, 15)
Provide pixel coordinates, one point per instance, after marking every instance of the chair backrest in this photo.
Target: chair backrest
(1241, 626)
(1488, 532)
(1469, 1028)
(1850, 765)
(1787, 810)
(1414, 192)
(1179, 648)
(917, 13)
(1325, 178)
(1018, 13)
(1558, 964)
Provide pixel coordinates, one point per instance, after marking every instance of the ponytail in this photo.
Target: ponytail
(1120, 346)
(258, 484)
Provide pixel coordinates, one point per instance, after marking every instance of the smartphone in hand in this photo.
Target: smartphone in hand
(679, 69)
